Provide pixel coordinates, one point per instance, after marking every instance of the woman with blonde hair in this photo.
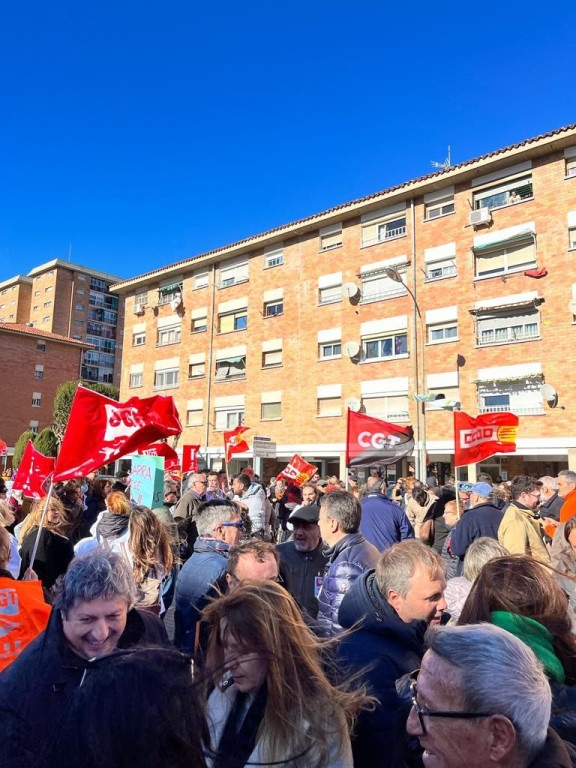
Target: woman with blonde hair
(272, 702)
(112, 524)
(55, 550)
(149, 550)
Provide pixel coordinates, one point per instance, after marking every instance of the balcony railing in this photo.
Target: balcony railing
(504, 335)
(536, 410)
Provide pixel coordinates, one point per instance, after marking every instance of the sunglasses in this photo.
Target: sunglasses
(239, 525)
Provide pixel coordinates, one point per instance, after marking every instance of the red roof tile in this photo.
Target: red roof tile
(37, 332)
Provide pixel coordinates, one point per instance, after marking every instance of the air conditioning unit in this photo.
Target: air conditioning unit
(480, 216)
(138, 309)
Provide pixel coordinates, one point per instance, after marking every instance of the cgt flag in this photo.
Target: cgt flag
(33, 471)
(171, 460)
(477, 438)
(298, 471)
(234, 442)
(372, 441)
(189, 460)
(101, 430)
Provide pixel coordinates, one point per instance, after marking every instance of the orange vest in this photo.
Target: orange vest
(23, 615)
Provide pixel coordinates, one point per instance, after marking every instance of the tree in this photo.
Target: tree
(20, 447)
(46, 443)
(63, 403)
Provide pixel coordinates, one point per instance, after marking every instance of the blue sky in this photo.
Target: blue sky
(142, 133)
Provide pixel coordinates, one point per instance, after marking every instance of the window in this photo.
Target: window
(572, 238)
(389, 407)
(439, 203)
(270, 411)
(329, 400)
(81, 277)
(36, 293)
(385, 224)
(273, 308)
(440, 261)
(441, 269)
(34, 308)
(274, 256)
(34, 427)
(81, 293)
(47, 304)
(194, 417)
(135, 380)
(446, 399)
(98, 285)
(445, 332)
(233, 321)
(326, 351)
(78, 338)
(231, 368)
(199, 320)
(272, 353)
(507, 325)
(48, 289)
(497, 258)
(570, 161)
(138, 339)
(505, 187)
(36, 399)
(521, 396)
(228, 418)
(40, 346)
(141, 298)
(196, 370)
(45, 319)
(168, 335)
(166, 379)
(39, 372)
(79, 307)
(200, 279)
(330, 288)
(377, 286)
(170, 293)
(331, 237)
(385, 347)
(233, 272)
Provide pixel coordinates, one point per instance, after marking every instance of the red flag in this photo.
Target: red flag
(23, 615)
(33, 470)
(477, 438)
(298, 471)
(371, 441)
(171, 460)
(189, 460)
(234, 442)
(3, 448)
(101, 430)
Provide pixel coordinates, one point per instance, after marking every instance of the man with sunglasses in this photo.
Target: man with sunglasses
(219, 528)
(521, 530)
(482, 700)
(391, 608)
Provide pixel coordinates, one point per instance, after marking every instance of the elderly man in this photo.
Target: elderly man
(482, 700)
(391, 608)
(567, 491)
(550, 503)
(349, 555)
(520, 530)
(383, 522)
(252, 497)
(482, 519)
(219, 528)
(93, 616)
(302, 561)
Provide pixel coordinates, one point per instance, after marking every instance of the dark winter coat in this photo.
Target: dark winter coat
(383, 522)
(347, 559)
(302, 573)
(36, 687)
(386, 648)
(483, 520)
(52, 557)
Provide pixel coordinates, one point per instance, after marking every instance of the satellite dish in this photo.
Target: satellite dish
(549, 394)
(572, 307)
(352, 349)
(354, 404)
(350, 290)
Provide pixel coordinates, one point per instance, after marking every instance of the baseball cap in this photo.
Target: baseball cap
(482, 489)
(465, 486)
(305, 514)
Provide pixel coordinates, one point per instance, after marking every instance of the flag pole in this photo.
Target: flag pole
(37, 542)
(457, 494)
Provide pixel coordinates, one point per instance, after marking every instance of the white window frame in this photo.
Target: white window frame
(274, 308)
(237, 315)
(197, 420)
(36, 399)
(202, 322)
(384, 225)
(40, 346)
(503, 252)
(383, 287)
(166, 378)
(387, 406)
(228, 418)
(501, 193)
(382, 338)
(448, 332)
(330, 237)
(197, 370)
(271, 411)
(451, 394)
(272, 358)
(138, 339)
(330, 350)
(34, 425)
(274, 256)
(509, 326)
(171, 334)
(141, 298)
(230, 369)
(39, 372)
(201, 280)
(135, 380)
(233, 272)
(79, 307)
(167, 293)
(523, 400)
(442, 206)
(570, 167)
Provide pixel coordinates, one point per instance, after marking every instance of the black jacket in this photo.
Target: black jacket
(385, 648)
(36, 688)
(483, 520)
(302, 573)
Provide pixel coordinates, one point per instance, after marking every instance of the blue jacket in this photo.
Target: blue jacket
(483, 520)
(383, 522)
(347, 560)
(384, 648)
(207, 563)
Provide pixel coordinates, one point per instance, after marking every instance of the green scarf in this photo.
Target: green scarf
(534, 635)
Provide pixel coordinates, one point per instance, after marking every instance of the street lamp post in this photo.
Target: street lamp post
(419, 380)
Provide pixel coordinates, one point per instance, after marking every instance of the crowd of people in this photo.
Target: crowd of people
(340, 624)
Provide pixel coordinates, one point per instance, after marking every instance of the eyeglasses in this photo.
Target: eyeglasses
(200, 482)
(422, 713)
(239, 525)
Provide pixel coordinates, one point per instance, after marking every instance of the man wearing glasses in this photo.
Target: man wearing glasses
(521, 530)
(219, 528)
(481, 700)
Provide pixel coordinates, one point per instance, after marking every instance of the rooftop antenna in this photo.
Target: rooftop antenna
(445, 165)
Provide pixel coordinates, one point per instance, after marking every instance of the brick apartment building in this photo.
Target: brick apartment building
(72, 301)
(36, 362)
(285, 330)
